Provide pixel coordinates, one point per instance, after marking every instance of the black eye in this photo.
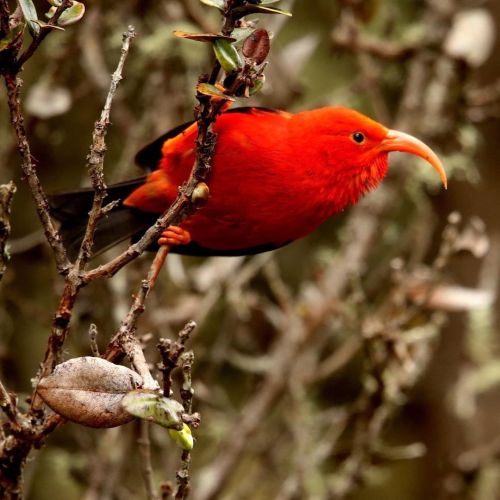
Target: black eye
(358, 137)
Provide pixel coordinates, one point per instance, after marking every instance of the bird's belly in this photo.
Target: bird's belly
(255, 223)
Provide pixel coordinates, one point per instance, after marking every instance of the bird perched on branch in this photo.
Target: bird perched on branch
(276, 177)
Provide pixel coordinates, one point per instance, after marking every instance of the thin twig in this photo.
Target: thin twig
(8, 406)
(170, 353)
(133, 251)
(95, 159)
(94, 348)
(125, 341)
(145, 453)
(183, 473)
(13, 85)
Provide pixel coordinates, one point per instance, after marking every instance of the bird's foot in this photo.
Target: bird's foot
(174, 235)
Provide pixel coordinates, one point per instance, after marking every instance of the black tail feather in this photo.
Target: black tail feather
(72, 209)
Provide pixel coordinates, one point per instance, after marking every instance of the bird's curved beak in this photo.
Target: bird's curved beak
(406, 143)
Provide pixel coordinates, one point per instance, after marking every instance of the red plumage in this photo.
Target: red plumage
(276, 176)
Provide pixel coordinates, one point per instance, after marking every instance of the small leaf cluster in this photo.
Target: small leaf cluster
(241, 51)
(71, 15)
(12, 39)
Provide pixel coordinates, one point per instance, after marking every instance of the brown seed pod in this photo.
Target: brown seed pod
(89, 391)
(256, 46)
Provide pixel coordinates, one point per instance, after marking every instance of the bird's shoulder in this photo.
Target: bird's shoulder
(148, 158)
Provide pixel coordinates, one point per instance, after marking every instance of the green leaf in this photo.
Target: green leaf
(203, 37)
(11, 37)
(70, 16)
(153, 407)
(212, 91)
(219, 4)
(29, 12)
(257, 9)
(267, 2)
(227, 55)
(241, 34)
(258, 84)
(183, 438)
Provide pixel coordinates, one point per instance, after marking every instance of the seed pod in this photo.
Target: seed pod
(256, 46)
(89, 391)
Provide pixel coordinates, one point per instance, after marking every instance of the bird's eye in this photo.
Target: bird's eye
(358, 137)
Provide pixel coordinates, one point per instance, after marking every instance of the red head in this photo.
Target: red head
(354, 149)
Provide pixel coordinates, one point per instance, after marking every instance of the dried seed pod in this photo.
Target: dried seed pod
(89, 391)
(257, 46)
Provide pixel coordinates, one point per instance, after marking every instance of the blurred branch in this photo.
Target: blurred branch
(196, 14)
(6, 194)
(348, 36)
(296, 334)
(9, 407)
(145, 453)
(170, 352)
(183, 473)
(484, 96)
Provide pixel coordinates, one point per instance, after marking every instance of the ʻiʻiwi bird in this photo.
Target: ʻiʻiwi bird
(276, 177)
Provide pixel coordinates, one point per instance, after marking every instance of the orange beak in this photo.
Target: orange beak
(406, 143)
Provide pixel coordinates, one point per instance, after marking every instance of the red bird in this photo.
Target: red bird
(276, 177)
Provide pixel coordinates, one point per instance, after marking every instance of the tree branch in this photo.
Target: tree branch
(6, 194)
(13, 85)
(95, 159)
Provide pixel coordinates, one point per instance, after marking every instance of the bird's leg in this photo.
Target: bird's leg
(174, 235)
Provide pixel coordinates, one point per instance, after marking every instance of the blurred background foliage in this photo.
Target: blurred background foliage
(445, 412)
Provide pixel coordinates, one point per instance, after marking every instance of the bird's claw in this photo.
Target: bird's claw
(174, 235)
